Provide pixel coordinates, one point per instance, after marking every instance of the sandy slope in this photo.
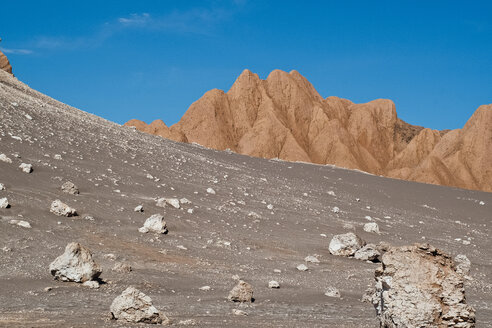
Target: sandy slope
(110, 164)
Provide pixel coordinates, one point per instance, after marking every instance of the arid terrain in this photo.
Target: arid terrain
(284, 117)
(259, 223)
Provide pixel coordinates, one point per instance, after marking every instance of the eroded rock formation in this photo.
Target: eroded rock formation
(285, 117)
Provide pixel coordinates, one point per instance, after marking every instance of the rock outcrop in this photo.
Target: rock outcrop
(419, 286)
(5, 64)
(285, 117)
(75, 264)
(134, 306)
(242, 292)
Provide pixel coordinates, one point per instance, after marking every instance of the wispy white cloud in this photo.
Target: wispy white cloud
(202, 21)
(16, 51)
(135, 20)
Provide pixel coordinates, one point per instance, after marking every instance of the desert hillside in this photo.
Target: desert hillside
(285, 117)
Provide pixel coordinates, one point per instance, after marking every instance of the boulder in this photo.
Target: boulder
(26, 168)
(463, 264)
(4, 158)
(345, 244)
(134, 306)
(4, 203)
(155, 223)
(419, 286)
(75, 264)
(242, 292)
(61, 209)
(273, 284)
(70, 188)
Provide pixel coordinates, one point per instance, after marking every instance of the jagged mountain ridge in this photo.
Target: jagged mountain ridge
(285, 117)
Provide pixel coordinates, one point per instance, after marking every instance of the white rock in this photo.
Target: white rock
(155, 223)
(371, 227)
(139, 208)
(332, 292)
(162, 202)
(345, 244)
(91, 284)
(134, 306)
(331, 193)
(57, 157)
(482, 202)
(239, 312)
(302, 267)
(205, 288)
(70, 188)
(335, 210)
(4, 203)
(5, 159)
(311, 259)
(26, 168)
(210, 191)
(21, 223)
(190, 211)
(75, 264)
(273, 284)
(270, 206)
(61, 209)
(185, 201)
(29, 117)
(2, 186)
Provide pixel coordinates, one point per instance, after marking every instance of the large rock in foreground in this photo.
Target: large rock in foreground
(134, 306)
(418, 286)
(242, 292)
(76, 264)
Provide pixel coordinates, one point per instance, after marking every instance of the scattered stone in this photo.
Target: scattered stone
(4, 203)
(61, 209)
(70, 188)
(332, 292)
(75, 264)
(184, 201)
(134, 306)
(205, 288)
(26, 168)
(482, 202)
(371, 227)
(5, 159)
(368, 253)
(242, 292)
(91, 284)
(463, 264)
(155, 223)
(335, 210)
(345, 244)
(418, 286)
(187, 322)
(331, 193)
(57, 157)
(210, 191)
(139, 208)
(174, 202)
(270, 206)
(48, 289)
(311, 259)
(89, 218)
(2, 186)
(190, 211)
(302, 267)
(122, 268)
(20, 223)
(239, 312)
(273, 284)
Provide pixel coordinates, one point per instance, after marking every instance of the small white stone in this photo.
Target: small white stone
(205, 288)
(331, 193)
(2, 186)
(190, 211)
(270, 206)
(210, 191)
(335, 210)
(91, 284)
(239, 312)
(482, 202)
(5, 159)
(332, 292)
(311, 259)
(139, 208)
(302, 267)
(371, 227)
(273, 284)
(21, 223)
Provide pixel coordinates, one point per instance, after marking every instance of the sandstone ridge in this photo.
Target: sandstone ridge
(285, 117)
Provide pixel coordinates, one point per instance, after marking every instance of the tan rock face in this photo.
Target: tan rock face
(285, 117)
(4, 63)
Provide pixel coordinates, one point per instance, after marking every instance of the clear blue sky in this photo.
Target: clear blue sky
(152, 59)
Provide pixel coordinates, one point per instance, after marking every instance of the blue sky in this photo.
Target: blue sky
(152, 59)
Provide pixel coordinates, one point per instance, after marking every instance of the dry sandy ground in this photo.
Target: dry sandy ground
(218, 240)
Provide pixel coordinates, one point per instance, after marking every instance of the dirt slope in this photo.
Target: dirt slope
(231, 232)
(285, 117)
